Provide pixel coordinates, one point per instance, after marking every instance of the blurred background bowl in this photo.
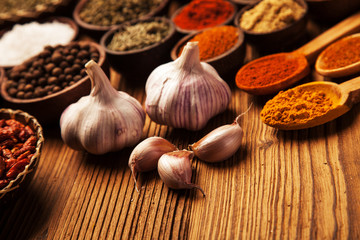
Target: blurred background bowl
(330, 11)
(48, 109)
(41, 10)
(136, 65)
(97, 30)
(12, 190)
(242, 3)
(276, 39)
(64, 20)
(183, 31)
(226, 64)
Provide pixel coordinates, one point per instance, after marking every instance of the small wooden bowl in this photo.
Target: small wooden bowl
(225, 64)
(278, 38)
(15, 186)
(41, 10)
(98, 30)
(136, 65)
(65, 20)
(331, 11)
(183, 31)
(48, 109)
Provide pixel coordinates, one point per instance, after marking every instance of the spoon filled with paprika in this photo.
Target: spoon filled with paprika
(340, 59)
(272, 73)
(310, 104)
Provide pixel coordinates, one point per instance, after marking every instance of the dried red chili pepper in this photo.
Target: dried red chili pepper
(17, 147)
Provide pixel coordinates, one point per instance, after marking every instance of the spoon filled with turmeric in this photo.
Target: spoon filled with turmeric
(272, 73)
(310, 104)
(340, 59)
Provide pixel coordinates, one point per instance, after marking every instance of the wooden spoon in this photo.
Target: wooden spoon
(343, 96)
(321, 65)
(305, 55)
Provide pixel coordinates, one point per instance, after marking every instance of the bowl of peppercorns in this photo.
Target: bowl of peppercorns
(47, 83)
(21, 142)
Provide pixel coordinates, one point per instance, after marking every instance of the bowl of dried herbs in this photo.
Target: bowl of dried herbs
(136, 48)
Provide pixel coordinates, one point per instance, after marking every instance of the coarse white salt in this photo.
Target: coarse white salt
(25, 41)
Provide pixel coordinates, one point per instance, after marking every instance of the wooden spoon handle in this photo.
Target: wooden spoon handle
(346, 27)
(352, 87)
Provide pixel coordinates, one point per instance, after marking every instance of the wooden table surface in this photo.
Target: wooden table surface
(280, 184)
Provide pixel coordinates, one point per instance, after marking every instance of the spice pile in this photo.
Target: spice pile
(17, 147)
(54, 69)
(341, 53)
(14, 6)
(295, 105)
(267, 70)
(215, 41)
(270, 15)
(27, 40)
(114, 12)
(201, 14)
(139, 35)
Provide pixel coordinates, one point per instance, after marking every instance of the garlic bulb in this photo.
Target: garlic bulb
(186, 93)
(220, 144)
(104, 121)
(175, 170)
(146, 154)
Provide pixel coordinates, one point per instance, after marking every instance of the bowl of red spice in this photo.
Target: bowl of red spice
(47, 83)
(223, 47)
(135, 49)
(273, 25)
(202, 14)
(21, 143)
(97, 17)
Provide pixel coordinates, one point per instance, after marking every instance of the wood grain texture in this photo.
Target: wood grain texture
(301, 184)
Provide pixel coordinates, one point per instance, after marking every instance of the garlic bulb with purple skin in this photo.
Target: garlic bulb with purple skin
(220, 144)
(186, 93)
(175, 170)
(107, 120)
(146, 154)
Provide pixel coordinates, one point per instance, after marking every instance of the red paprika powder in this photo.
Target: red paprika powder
(267, 70)
(200, 14)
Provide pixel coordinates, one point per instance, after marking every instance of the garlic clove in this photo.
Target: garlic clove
(146, 154)
(220, 144)
(186, 93)
(175, 170)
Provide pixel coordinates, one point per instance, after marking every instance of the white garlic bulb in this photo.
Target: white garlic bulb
(175, 170)
(220, 144)
(146, 154)
(186, 93)
(106, 120)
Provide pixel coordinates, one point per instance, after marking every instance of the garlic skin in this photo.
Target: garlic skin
(106, 120)
(220, 144)
(186, 93)
(146, 154)
(175, 170)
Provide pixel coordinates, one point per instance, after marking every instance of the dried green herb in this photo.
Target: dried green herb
(138, 36)
(114, 12)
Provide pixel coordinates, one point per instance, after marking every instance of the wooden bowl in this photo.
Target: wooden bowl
(136, 65)
(225, 64)
(15, 186)
(65, 20)
(98, 30)
(183, 31)
(330, 11)
(41, 10)
(278, 38)
(48, 109)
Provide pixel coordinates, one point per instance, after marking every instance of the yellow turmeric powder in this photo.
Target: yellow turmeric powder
(296, 105)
